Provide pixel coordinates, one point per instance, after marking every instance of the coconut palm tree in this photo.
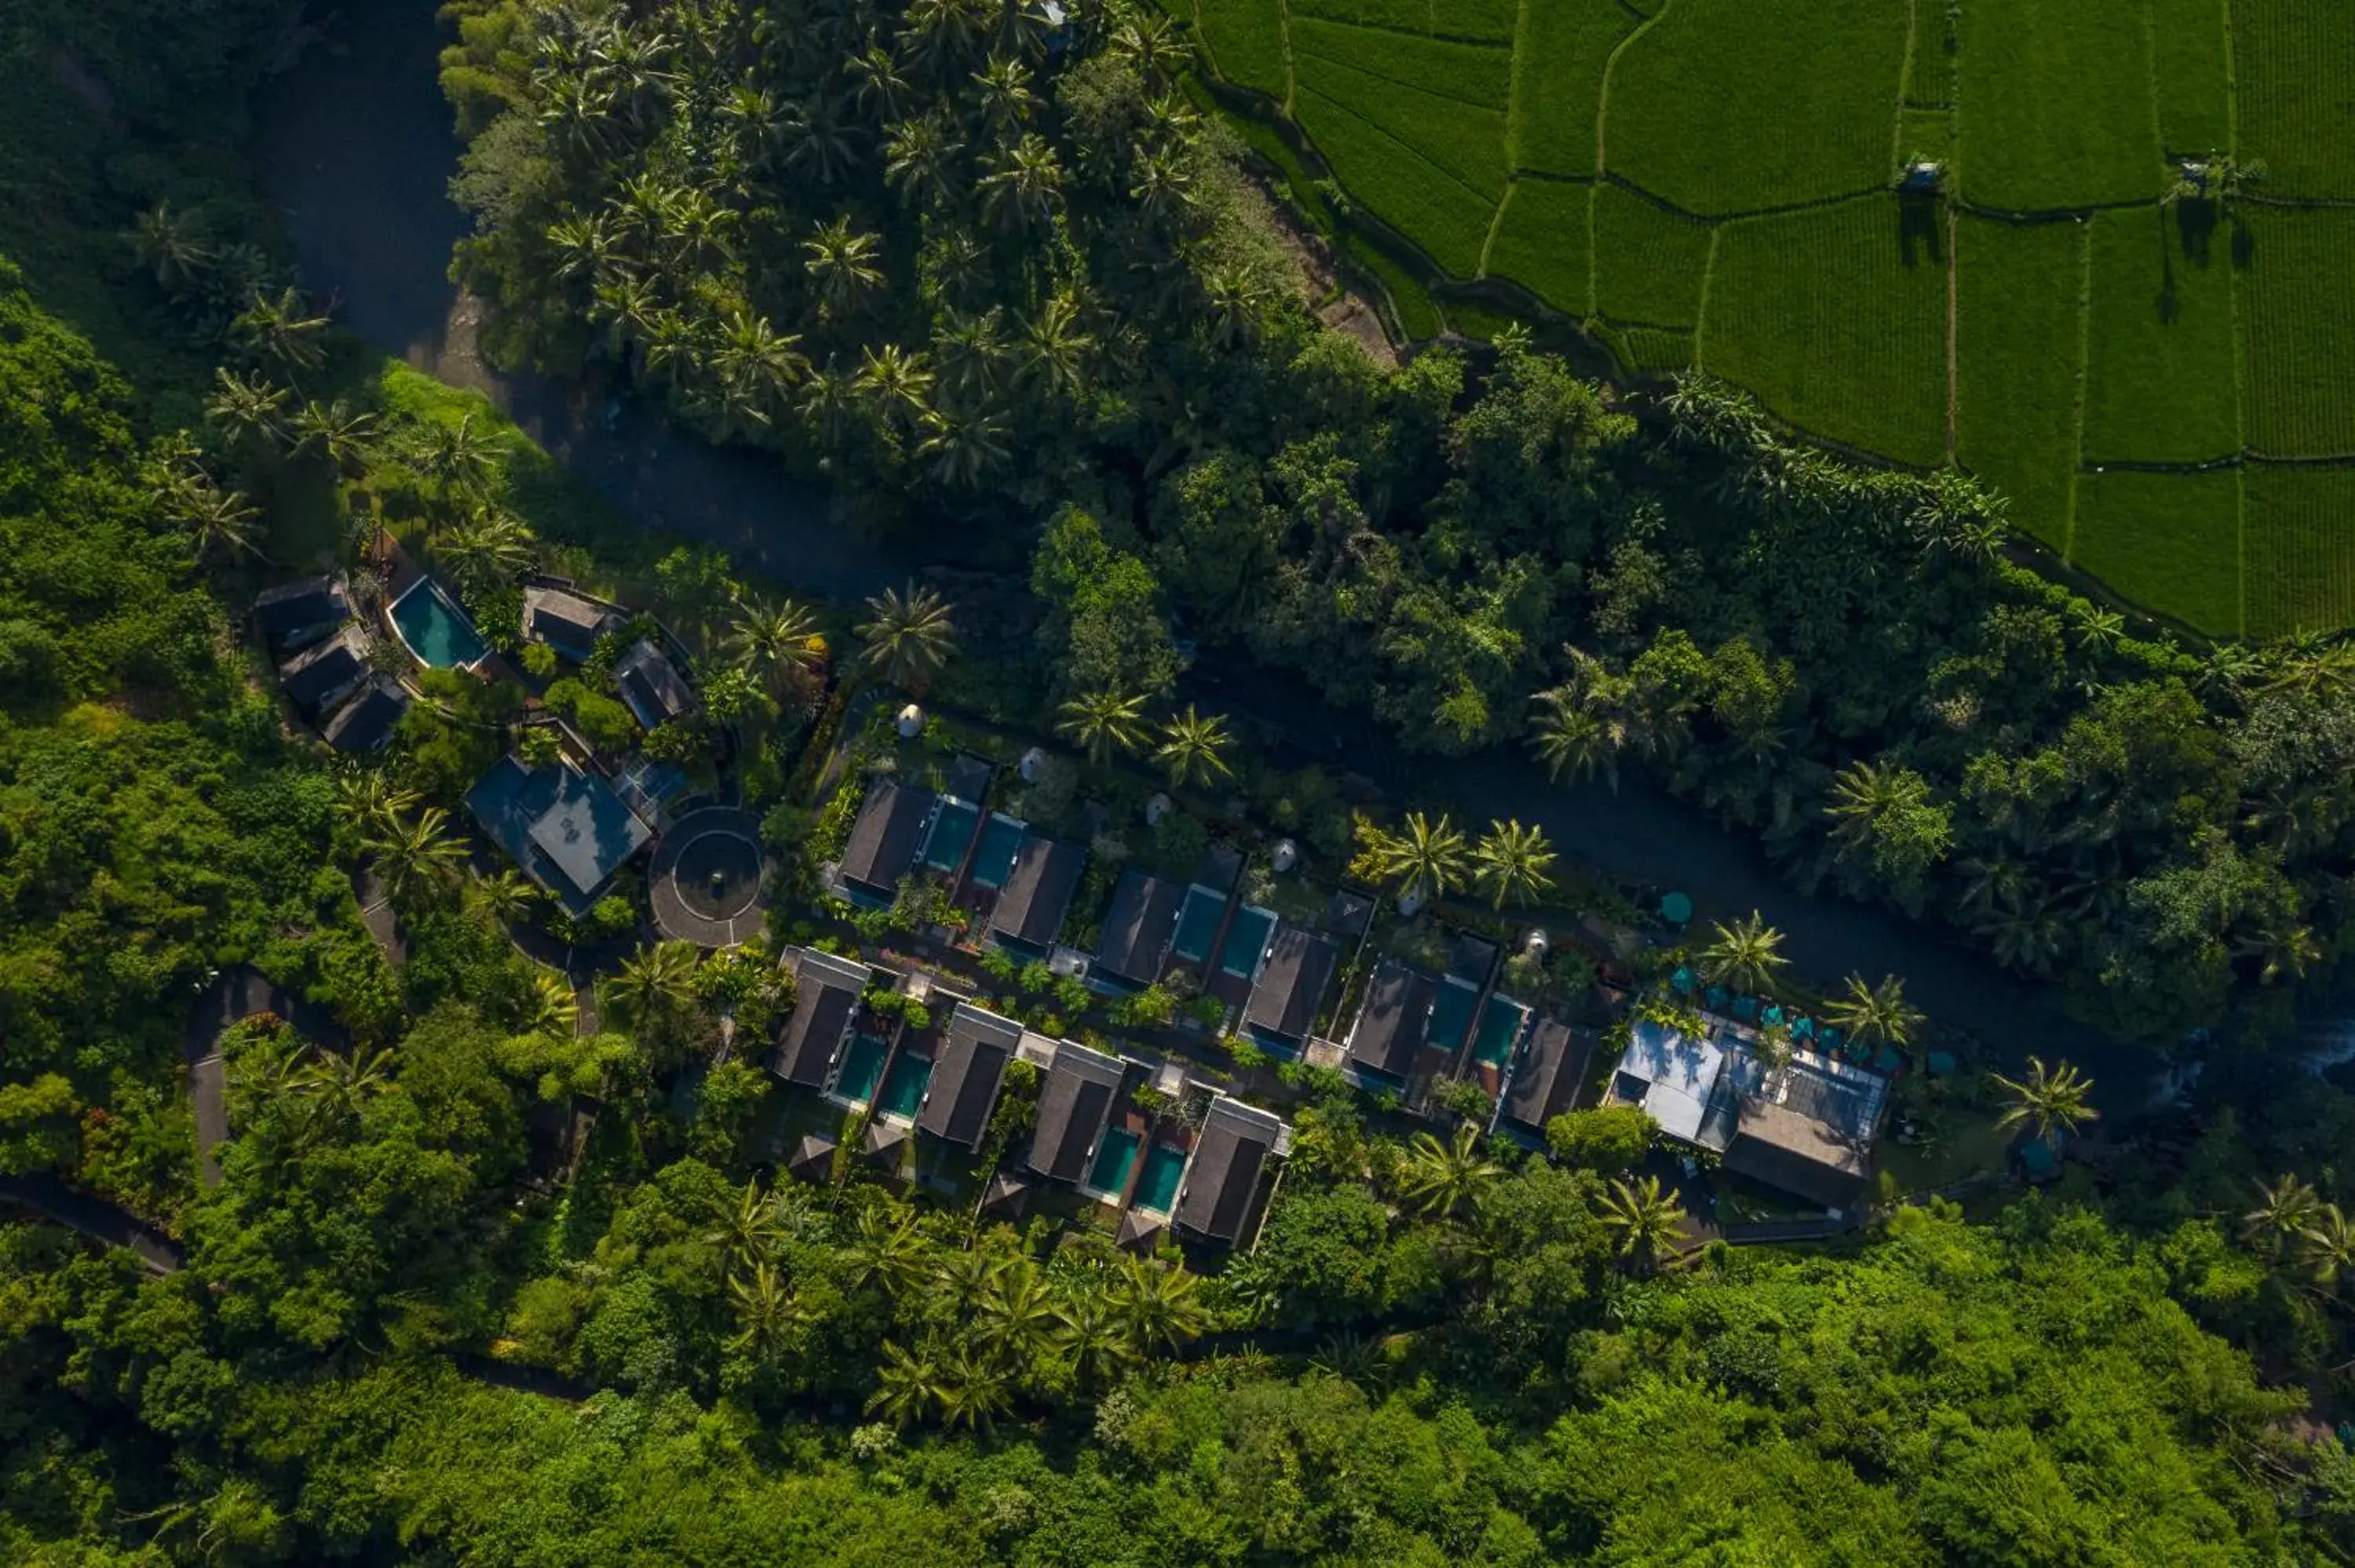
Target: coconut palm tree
(905, 1386)
(962, 448)
(1876, 1013)
(909, 636)
(774, 639)
(1158, 1309)
(249, 411)
(652, 983)
(172, 245)
(1642, 1219)
(1016, 1320)
(1513, 864)
(280, 329)
(1103, 724)
(2285, 1209)
(896, 384)
(341, 1082)
(767, 1311)
(1193, 749)
(459, 457)
(414, 855)
(506, 895)
(1572, 742)
(551, 1010)
(964, 1278)
(1445, 1179)
(2326, 1246)
(1424, 860)
(887, 1250)
(1002, 89)
(2054, 1101)
(757, 364)
(1054, 349)
(972, 1391)
(223, 523)
(841, 261)
(1090, 1333)
(1746, 955)
(753, 1230)
(336, 433)
(919, 159)
(488, 551)
(971, 350)
(368, 799)
(1864, 795)
(1021, 185)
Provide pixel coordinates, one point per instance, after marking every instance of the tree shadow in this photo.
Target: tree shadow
(1919, 236)
(2245, 243)
(2196, 218)
(2169, 305)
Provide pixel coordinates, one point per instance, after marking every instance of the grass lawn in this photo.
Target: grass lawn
(2298, 326)
(1488, 21)
(1390, 178)
(2017, 323)
(2301, 550)
(2056, 103)
(1541, 243)
(1837, 321)
(1726, 106)
(2161, 378)
(2168, 540)
(1647, 263)
(1246, 42)
(1558, 70)
(2294, 63)
(1462, 138)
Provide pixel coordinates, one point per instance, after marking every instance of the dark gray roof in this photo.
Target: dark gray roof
(884, 839)
(652, 685)
(1546, 1078)
(586, 833)
(1392, 1019)
(365, 720)
(1074, 1106)
(565, 619)
(1223, 1175)
(1038, 891)
(283, 612)
(1788, 1148)
(813, 1157)
(969, 777)
(1007, 1194)
(965, 1075)
(823, 1011)
(1137, 928)
(1140, 1232)
(319, 675)
(1291, 986)
(1472, 959)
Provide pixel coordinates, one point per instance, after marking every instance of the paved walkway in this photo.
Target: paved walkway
(44, 1194)
(239, 994)
(706, 882)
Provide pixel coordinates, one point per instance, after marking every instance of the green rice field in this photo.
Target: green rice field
(2162, 387)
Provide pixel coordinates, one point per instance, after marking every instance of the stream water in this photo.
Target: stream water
(356, 146)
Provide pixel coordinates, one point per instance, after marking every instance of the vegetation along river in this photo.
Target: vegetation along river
(358, 146)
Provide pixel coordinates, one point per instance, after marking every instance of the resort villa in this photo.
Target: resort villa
(566, 827)
(1290, 988)
(566, 621)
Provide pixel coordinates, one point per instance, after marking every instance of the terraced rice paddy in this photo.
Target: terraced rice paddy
(2163, 387)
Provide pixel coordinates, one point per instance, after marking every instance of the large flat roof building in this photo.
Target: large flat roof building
(568, 829)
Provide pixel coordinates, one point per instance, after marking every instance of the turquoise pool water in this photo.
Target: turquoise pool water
(903, 1087)
(1001, 837)
(1157, 1190)
(1451, 1014)
(951, 830)
(1114, 1155)
(861, 1066)
(1500, 1030)
(1197, 922)
(436, 630)
(1246, 941)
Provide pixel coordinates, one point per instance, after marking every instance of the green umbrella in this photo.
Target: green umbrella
(1676, 908)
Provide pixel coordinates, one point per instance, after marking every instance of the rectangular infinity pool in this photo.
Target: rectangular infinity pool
(1451, 1014)
(436, 630)
(1197, 922)
(861, 1066)
(1157, 1190)
(993, 858)
(952, 828)
(903, 1087)
(1500, 1029)
(1246, 941)
(1114, 1155)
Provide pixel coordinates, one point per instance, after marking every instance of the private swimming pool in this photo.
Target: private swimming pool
(1197, 922)
(1451, 1014)
(861, 1066)
(1114, 1155)
(953, 827)
(993, 858)
(903, 1087)
(434, 629)
(1500, 1030)
(1246, 941)
(1157, 1190)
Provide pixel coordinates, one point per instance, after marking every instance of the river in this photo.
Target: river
(357, 147)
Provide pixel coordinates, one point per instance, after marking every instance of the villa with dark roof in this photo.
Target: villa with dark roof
(1037, 893)
(1137, 927)
(1075, 1103)
(1545, 1075)
(294, 615)
(314, 678)
(1393, 1020)
(566, 621)
(1291, 986)
(365, 720)
(566, 829)
(966, 1075)
(885, 838)
(652, 686)
(825, 1010)
(1222, 1180)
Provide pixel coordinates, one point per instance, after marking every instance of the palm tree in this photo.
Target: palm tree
(753, 1230)
(506, 895)
(2326, 1246)
(2284, 1211)
(963, 449)
(1876, 1013)
(336, 432)
(895, 382)
(1022, 183)
(458, 459)
(1866, 793)
(2055, 1102)
(1745, 955)
(970, 348)
(279, 328)
(1002, 88)
(905, 1386)
(1513, 864)
(767, 1311)
(369, 800)
(909, 636)
(1427, 859)
(1157, 1308)
(773, 639)
(918, 161)
(1054, 351)
(1573, 742)
(341, 1081)
(1642, 1219)
(487, 551)
(1091, 1334)
(964, 1278)
(224, 524)
(885, 1250)
(1193, 749)
(1444, 1179)
(652, 983)
(1103, 723)
(249, 410)
(414, 855)
(171, 244)
(551, 1010)
(1146, 42)
(841, 262)
(1017, 1317)
(757, 365)
(972, 1393)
